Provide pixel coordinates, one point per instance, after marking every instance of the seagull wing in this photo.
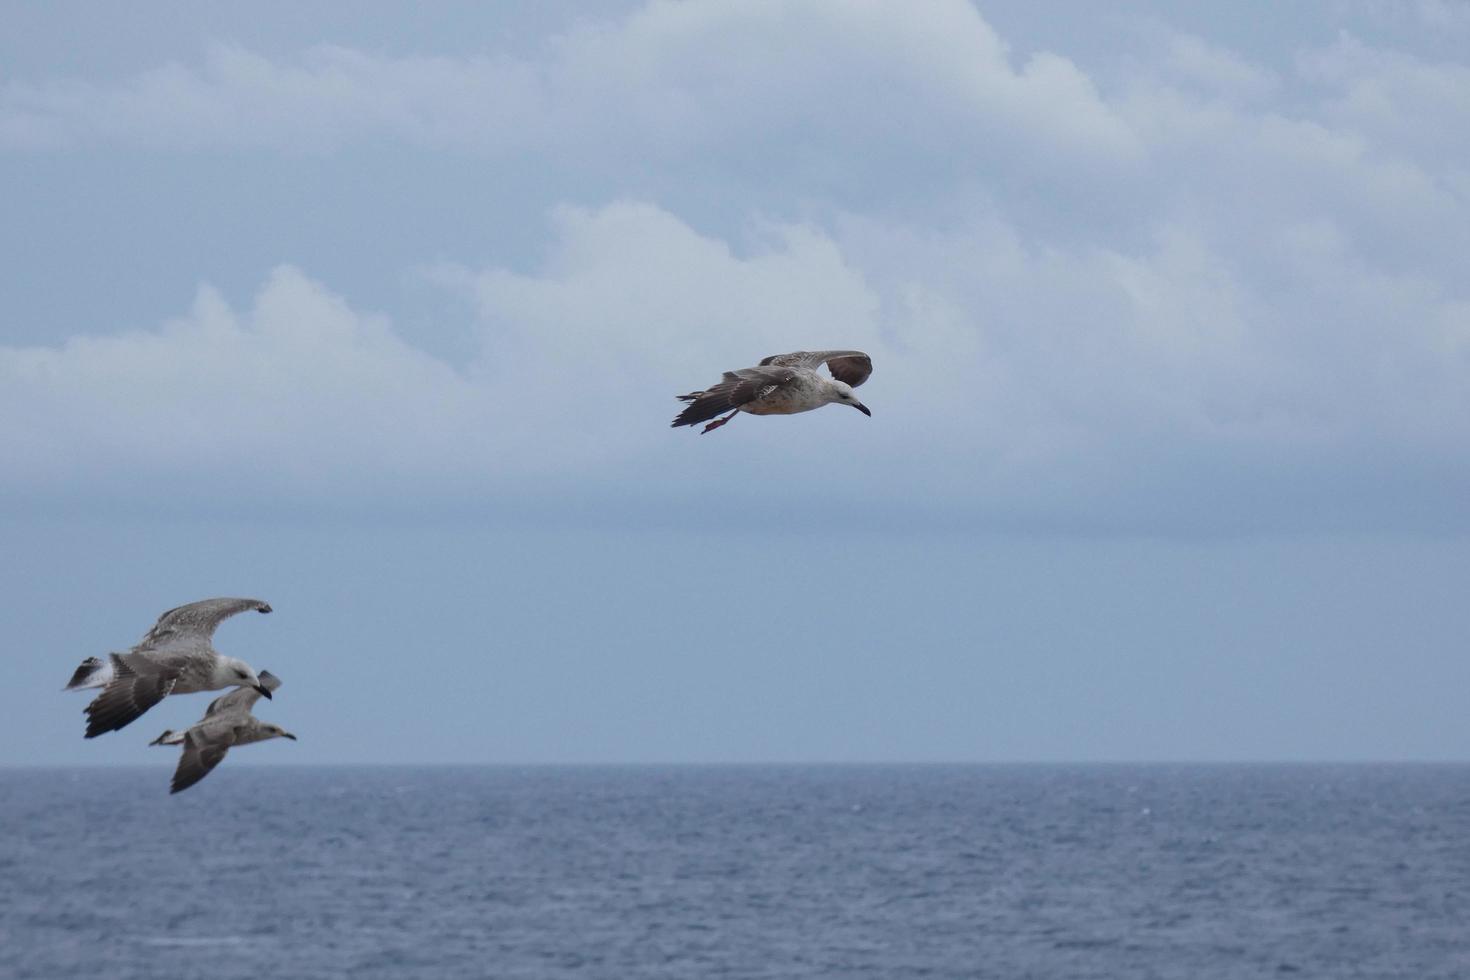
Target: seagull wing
(138, 683)
(851, 367)
(197, 620)
(736, 388)
(242, 699)
(204, 748)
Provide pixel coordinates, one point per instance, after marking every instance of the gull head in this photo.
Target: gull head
(841, 394)
(276, 731)
(237, 673)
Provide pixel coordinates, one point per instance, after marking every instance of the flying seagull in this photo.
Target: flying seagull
(782, 384)
(226, 722)
(175, 657)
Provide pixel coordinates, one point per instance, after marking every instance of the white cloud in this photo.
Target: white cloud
(1216, 70)
(1032, 374)
(302, 394)
(633, 287)
(671, 79)
(238, 98)
(1410, 106)
(1217, 267)
(298, 393)
(633, 306)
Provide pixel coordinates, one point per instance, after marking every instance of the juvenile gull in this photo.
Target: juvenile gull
(782, 384)
(175, 657)
(226, 722)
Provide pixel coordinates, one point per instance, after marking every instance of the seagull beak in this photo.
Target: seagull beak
(864, 409)
(288, 735)
(265, 691)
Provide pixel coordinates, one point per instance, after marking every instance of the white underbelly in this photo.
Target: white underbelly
(782, 402)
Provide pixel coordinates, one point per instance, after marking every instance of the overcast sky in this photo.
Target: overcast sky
(377, 313)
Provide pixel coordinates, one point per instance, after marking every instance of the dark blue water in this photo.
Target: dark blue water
(915, 871)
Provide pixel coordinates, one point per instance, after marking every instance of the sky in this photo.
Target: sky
(377, 313)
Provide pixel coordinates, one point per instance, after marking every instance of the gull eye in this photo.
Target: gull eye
(240, 674)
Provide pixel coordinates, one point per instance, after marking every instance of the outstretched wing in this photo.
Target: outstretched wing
(736, 388)
(242, 699)
(197, 620)
(137, 684)
(851, 367)
(203, 750)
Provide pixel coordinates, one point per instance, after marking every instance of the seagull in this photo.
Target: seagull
(226, 722)
(782, 384)
(174, 657)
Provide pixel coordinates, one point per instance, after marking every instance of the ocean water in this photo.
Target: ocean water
(772, 872)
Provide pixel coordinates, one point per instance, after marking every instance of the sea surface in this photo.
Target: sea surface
(739, 871)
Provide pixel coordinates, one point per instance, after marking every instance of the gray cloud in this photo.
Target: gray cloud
(1213, 277)
(674, 78)
(1088, 371)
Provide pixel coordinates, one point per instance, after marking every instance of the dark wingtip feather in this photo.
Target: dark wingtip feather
(88, 667)
(683, 417)
(182, 781)
(103, 716)
(703, 410)
(100, 724)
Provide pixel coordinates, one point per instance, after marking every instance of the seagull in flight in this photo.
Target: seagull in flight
(226, 722)
(174, 657)
(782, 384)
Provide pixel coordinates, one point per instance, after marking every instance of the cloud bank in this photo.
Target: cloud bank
(674, 78)
(1198, 285)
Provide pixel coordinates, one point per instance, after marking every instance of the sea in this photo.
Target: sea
(1004, 871)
